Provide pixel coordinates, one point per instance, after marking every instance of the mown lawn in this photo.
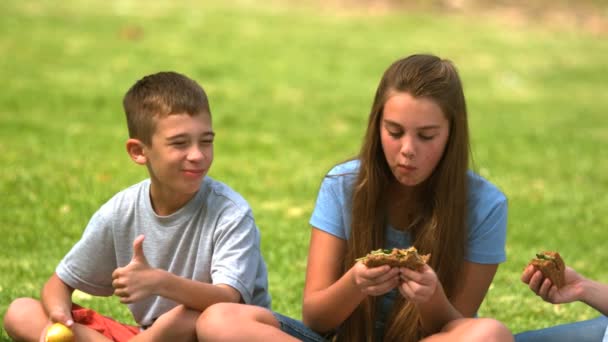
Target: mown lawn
(290, 91)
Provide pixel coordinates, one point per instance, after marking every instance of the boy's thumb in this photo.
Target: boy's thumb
(138, 249)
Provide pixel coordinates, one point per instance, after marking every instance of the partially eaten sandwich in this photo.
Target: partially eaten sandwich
(552, 266)
(408, 257)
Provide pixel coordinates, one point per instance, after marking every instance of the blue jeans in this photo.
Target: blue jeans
(593, 330)
(297, 329)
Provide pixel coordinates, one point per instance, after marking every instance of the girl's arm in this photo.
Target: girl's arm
(424, 289)
(330, 296)
(474, 284)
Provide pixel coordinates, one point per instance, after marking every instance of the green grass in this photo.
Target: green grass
(290, 91)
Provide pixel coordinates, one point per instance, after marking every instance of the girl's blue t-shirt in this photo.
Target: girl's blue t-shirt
(486, 214)
(486, 220)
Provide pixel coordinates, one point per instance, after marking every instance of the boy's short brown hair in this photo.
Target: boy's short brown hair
(158, 95)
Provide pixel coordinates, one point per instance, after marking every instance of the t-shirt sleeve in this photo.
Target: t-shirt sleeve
(236, 258)
(327, 214)
(488, 230)
(88, 266)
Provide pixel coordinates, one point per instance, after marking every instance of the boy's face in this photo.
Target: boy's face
(180, 155)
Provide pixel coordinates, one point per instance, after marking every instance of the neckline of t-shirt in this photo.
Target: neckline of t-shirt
(180, 216)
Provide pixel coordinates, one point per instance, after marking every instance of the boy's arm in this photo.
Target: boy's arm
(138, 280)
(188, 292)
(57, 300)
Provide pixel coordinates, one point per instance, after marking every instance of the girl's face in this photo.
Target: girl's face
(414, 133)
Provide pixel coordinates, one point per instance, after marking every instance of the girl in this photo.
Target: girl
(409, 185)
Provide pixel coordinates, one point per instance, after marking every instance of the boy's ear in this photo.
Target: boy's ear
(135, 149)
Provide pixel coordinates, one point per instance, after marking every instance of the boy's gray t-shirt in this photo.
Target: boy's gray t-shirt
(212, 239)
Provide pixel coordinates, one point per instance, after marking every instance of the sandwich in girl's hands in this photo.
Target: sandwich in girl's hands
(552, 266)
(408, 257)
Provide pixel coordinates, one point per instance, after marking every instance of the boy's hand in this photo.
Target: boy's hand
(418, 286)
(61, 316)
(135, 281)
(57, 316)
(375, 281)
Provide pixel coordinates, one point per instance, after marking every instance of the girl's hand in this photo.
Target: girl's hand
(418, 286)
(544, 288)
(375, 281)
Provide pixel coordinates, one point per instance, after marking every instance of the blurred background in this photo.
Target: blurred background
(290, 85)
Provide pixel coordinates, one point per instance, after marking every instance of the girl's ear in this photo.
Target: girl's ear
(135, 149)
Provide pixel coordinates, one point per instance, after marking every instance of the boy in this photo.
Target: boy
(169, 246)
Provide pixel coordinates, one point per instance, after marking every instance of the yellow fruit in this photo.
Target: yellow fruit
(59, 333)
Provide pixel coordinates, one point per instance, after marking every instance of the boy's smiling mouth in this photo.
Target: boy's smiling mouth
(193, 172)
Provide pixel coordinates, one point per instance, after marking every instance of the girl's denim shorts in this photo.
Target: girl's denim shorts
(298, 330)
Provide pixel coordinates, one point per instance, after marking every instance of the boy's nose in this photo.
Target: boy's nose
(195, 153)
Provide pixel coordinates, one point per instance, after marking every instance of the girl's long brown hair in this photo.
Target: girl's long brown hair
(444, 197)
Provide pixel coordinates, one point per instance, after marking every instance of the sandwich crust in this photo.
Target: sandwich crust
(395, 258)
(551, 266)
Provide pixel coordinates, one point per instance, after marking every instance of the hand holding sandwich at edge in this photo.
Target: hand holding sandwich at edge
(544, 288)
(576, 288)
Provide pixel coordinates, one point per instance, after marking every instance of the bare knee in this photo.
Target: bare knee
(183, 314)
(473, 329)
(25, 318)
(223, 320)
(177, 324)
(219, 316)
(488, 329)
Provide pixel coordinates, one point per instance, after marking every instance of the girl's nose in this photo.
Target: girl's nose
(408, 148)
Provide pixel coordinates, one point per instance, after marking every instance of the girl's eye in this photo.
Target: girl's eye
(426, 137)
(395, 134)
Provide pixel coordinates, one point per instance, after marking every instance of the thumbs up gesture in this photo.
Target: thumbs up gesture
(136, 280)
